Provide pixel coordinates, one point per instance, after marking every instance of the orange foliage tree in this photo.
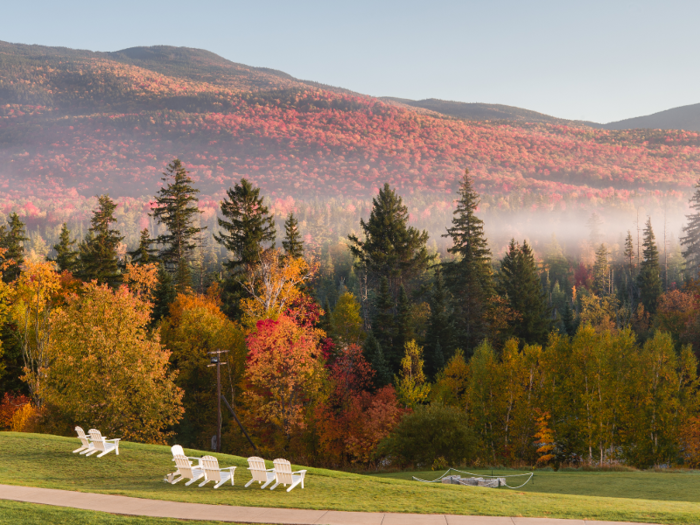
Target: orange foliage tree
(284, 378)
(107, 370)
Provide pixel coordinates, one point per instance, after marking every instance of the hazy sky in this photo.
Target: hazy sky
(592, 60)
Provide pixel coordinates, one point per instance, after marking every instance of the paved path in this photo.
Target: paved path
(197, 511)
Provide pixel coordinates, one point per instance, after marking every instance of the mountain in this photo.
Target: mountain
(484, 112)
(684, 117)
(74, 124)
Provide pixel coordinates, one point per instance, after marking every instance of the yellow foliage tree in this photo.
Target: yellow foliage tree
(196, 325)
(412, 387)
(107, 370)
(273, 285)
(35, 299)
(346, 321)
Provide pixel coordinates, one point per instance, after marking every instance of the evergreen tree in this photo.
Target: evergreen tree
(404, 329)
(568, 320)
(520, 285)
(629, 252)
(246, 225)
(391, 249)
(384, 325)
(177, 209)
(99, 259)
(601, 272)
(164, 295)
(144, 254)
(375, 356)
(66, 256)
(469, 276)
(12, 238)
(649, 278)
(440, 334)
(292, 243)
(691, 239)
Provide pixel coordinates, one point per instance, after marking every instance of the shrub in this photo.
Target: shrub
(429, 433)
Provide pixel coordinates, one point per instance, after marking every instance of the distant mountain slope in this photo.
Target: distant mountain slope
(684, 117)
(76, 123)
(480, 112)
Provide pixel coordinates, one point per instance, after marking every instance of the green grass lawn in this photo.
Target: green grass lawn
(13, 512)
(46, 461)
(663, 486)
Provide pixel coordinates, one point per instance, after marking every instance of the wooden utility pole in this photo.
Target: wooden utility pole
(216, 361)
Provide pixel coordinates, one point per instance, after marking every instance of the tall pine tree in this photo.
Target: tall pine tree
(66, 255)
(384, 325)
(12, 238)
(292, 243)
(439, 344)
(177, 209)
(519, 284)
(469, 275)
(649, 278)
(391, 250)
(245, 227)
(601, 272)
(691, 239)
(99, 258)
(144, 254)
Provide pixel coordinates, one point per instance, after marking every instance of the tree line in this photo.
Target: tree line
(383, 349)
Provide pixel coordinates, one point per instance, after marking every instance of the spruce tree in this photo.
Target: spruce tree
(164, 294)
(520, 285)
(177, 209)
(384, 325)
(568, 320)
(404, 328)
(99, 259)
(144, 254)
(469, 276)
(629, 251)
(375, 356)
(439, 344)
(649, 278)
(691, 239)
(66, 255)
(601, 272)
(12, 238)
(391, 249)
(292, 243)
(246, 226)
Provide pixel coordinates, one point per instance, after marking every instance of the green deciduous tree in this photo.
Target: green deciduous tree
(177, 210)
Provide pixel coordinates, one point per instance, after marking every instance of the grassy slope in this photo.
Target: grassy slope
(15, 513)
(661, 486)
(46, 461)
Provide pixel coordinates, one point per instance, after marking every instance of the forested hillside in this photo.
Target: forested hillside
(74, 124)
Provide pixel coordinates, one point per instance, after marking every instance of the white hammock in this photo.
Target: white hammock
(437, 480)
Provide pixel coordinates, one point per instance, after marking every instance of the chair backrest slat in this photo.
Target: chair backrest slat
(283, 471)
(183, 466)
(177, 449)
(97, 439)
(82, 437)
(258, 469)
(211, 468)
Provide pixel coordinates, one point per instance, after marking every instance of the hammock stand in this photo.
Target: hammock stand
(438, 480)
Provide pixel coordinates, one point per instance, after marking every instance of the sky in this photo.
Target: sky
(600, 61)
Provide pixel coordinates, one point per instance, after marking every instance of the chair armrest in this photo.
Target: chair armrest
(228, 468)
(302, 472)
(108, 440)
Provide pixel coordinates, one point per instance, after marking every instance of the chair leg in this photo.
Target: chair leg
(78, 449)
(193, 480)
(204, 483)
(293, 485)
(273, 487)
(176, 480)
(249, 483)
(268, 482)
(91, 452)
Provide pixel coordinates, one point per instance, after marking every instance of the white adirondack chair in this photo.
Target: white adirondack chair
(177, 450)
(101, 444)
(86, 445)
(187, 471)
(285, 476)
(259, 472)
(212, 472)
